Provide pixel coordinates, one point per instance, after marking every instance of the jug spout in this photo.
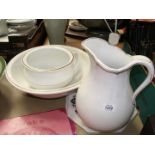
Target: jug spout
(109, 57)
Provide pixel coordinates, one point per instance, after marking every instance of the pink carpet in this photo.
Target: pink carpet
(47, 123)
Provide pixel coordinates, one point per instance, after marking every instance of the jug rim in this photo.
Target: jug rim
(104, 66)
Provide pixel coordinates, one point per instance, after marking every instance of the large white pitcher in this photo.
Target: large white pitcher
(105, 100)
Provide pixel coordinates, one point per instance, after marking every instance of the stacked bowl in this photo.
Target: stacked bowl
(48, 67)
(48, 71)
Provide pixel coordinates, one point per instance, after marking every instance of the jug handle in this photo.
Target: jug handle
(146, 62)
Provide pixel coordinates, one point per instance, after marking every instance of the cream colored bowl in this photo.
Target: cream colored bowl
(48, 67)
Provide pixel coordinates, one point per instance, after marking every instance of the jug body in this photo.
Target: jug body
(104, 100)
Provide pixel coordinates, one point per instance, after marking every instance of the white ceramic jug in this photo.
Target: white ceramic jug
(105, 100)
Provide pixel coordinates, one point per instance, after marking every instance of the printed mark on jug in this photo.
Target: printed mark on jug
(74, 103)
(108, 107)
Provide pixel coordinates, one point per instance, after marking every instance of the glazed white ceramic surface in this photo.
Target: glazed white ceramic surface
(14, 74)
(48, 67)
(105, 100)
(71, 111)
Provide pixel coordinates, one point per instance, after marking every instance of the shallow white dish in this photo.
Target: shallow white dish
(76, 26)
(22, 27)
(14, 74)
(20, 21)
